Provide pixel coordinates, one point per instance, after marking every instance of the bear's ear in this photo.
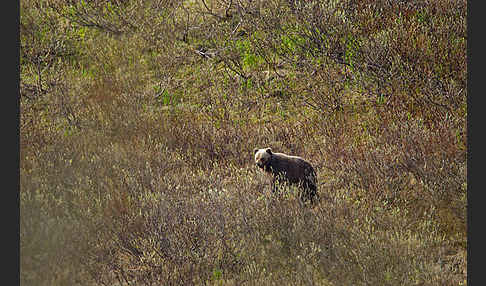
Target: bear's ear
(255, 151)
(269, 151)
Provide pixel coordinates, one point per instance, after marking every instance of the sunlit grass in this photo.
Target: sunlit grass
(136, 151)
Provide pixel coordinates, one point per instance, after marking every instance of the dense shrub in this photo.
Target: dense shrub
(138, 121)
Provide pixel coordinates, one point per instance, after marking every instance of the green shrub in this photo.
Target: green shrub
(138, 120)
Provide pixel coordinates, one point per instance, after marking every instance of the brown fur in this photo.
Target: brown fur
(289, 169)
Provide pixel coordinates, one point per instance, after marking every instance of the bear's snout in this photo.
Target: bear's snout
(262, 164)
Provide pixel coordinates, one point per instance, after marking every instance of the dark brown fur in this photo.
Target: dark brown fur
(292, 170)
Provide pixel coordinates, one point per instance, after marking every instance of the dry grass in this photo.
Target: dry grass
(138, 121)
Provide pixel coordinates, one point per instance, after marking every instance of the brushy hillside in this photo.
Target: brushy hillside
(138, 121)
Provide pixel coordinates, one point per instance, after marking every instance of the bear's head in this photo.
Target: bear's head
(262, 157)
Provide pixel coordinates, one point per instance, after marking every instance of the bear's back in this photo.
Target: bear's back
(295, 168)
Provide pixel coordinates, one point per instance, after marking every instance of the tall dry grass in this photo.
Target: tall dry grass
(138, 121)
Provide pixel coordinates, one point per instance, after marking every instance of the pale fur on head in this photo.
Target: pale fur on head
(262, 156)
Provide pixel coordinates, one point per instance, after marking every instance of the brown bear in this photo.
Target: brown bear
(293, 170)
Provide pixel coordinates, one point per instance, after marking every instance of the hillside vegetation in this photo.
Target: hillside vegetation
(139, 119)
